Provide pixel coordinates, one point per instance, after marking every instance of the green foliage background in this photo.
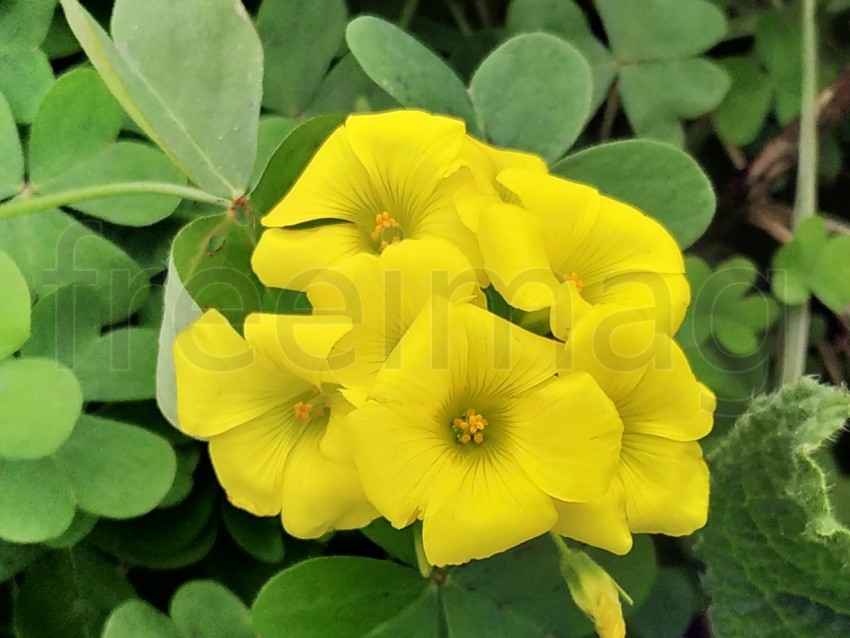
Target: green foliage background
(142, 141)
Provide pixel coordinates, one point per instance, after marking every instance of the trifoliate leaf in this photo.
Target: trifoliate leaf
(778, 561)
(726, 306)
(741, 115)
(12, 166)
(407, 70)
(656, 44)
(813, 263)
(553, 102)
(14, 307)
(566, 20)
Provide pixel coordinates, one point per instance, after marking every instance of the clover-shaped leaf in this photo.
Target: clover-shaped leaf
(566, 20)
(726, 306)
(655, 44)
(813, 264)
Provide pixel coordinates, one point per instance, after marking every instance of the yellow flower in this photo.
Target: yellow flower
(484, 163)
(569, 247)
(382, 296)
(661, 484)
(593, 590)
(271, 421)
(387, 177)
(468, 429)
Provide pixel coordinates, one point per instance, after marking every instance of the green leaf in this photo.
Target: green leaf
(179, 311)
(119, 366)
(15, 557)
(24, 23)
(36, 502)
(341, 596)
(168, 538)
(69, 594)
(657, 178)
(396, 542)
(300, 41)
(725, 305)
(122, 162)
(420, 619)
(64, 323)
(273, 130)
(740, 117)
(658, 95)
(184, 480)
(12, 167)
(77, 119)
(552, 103)
(212, 256)
(60, 41)
(779, 46)
(473, 615)
(80, 527)
(813, 263)
(14, 308)
(407, 70)
(205, 609)
(262, 537)
(180, 106)
(525, 588)
(30, 427)
(565, 19)
(52, 249)
(347, 88)
(772, 546)
(289, 159)
(674, 602)
(658, 30)
(117, 470)
(135, 618)
(25, 77)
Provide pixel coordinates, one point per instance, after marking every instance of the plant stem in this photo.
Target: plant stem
(407, 13)
(459, 16)
(26, 205)
(805, 204)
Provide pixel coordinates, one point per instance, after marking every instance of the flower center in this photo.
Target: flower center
(573, 277)
(470, 427)
(387, 230)
(313, 407)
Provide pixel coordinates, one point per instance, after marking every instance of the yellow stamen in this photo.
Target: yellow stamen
(573, 277)
(303, 410)
(387, 230)
(470, 428)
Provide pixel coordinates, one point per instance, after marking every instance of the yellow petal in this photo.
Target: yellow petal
(668, 401)
(291, 259)
(663, 298)
(601, 523)
(334, 185)
(320, 494)
(383, 295)
(615, 345)
(479, 187)
(666, 485)
(616, 251)
(249, 460)
(399, 451)
(300, 344)
(222, 382)
(514, 255)
(482, 505)
(566, 435)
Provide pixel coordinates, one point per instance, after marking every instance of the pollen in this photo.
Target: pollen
(470, 427)
(573, 277)
(303, 410)
(387, 230)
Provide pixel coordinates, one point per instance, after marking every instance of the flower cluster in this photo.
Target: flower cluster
(405, 395)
